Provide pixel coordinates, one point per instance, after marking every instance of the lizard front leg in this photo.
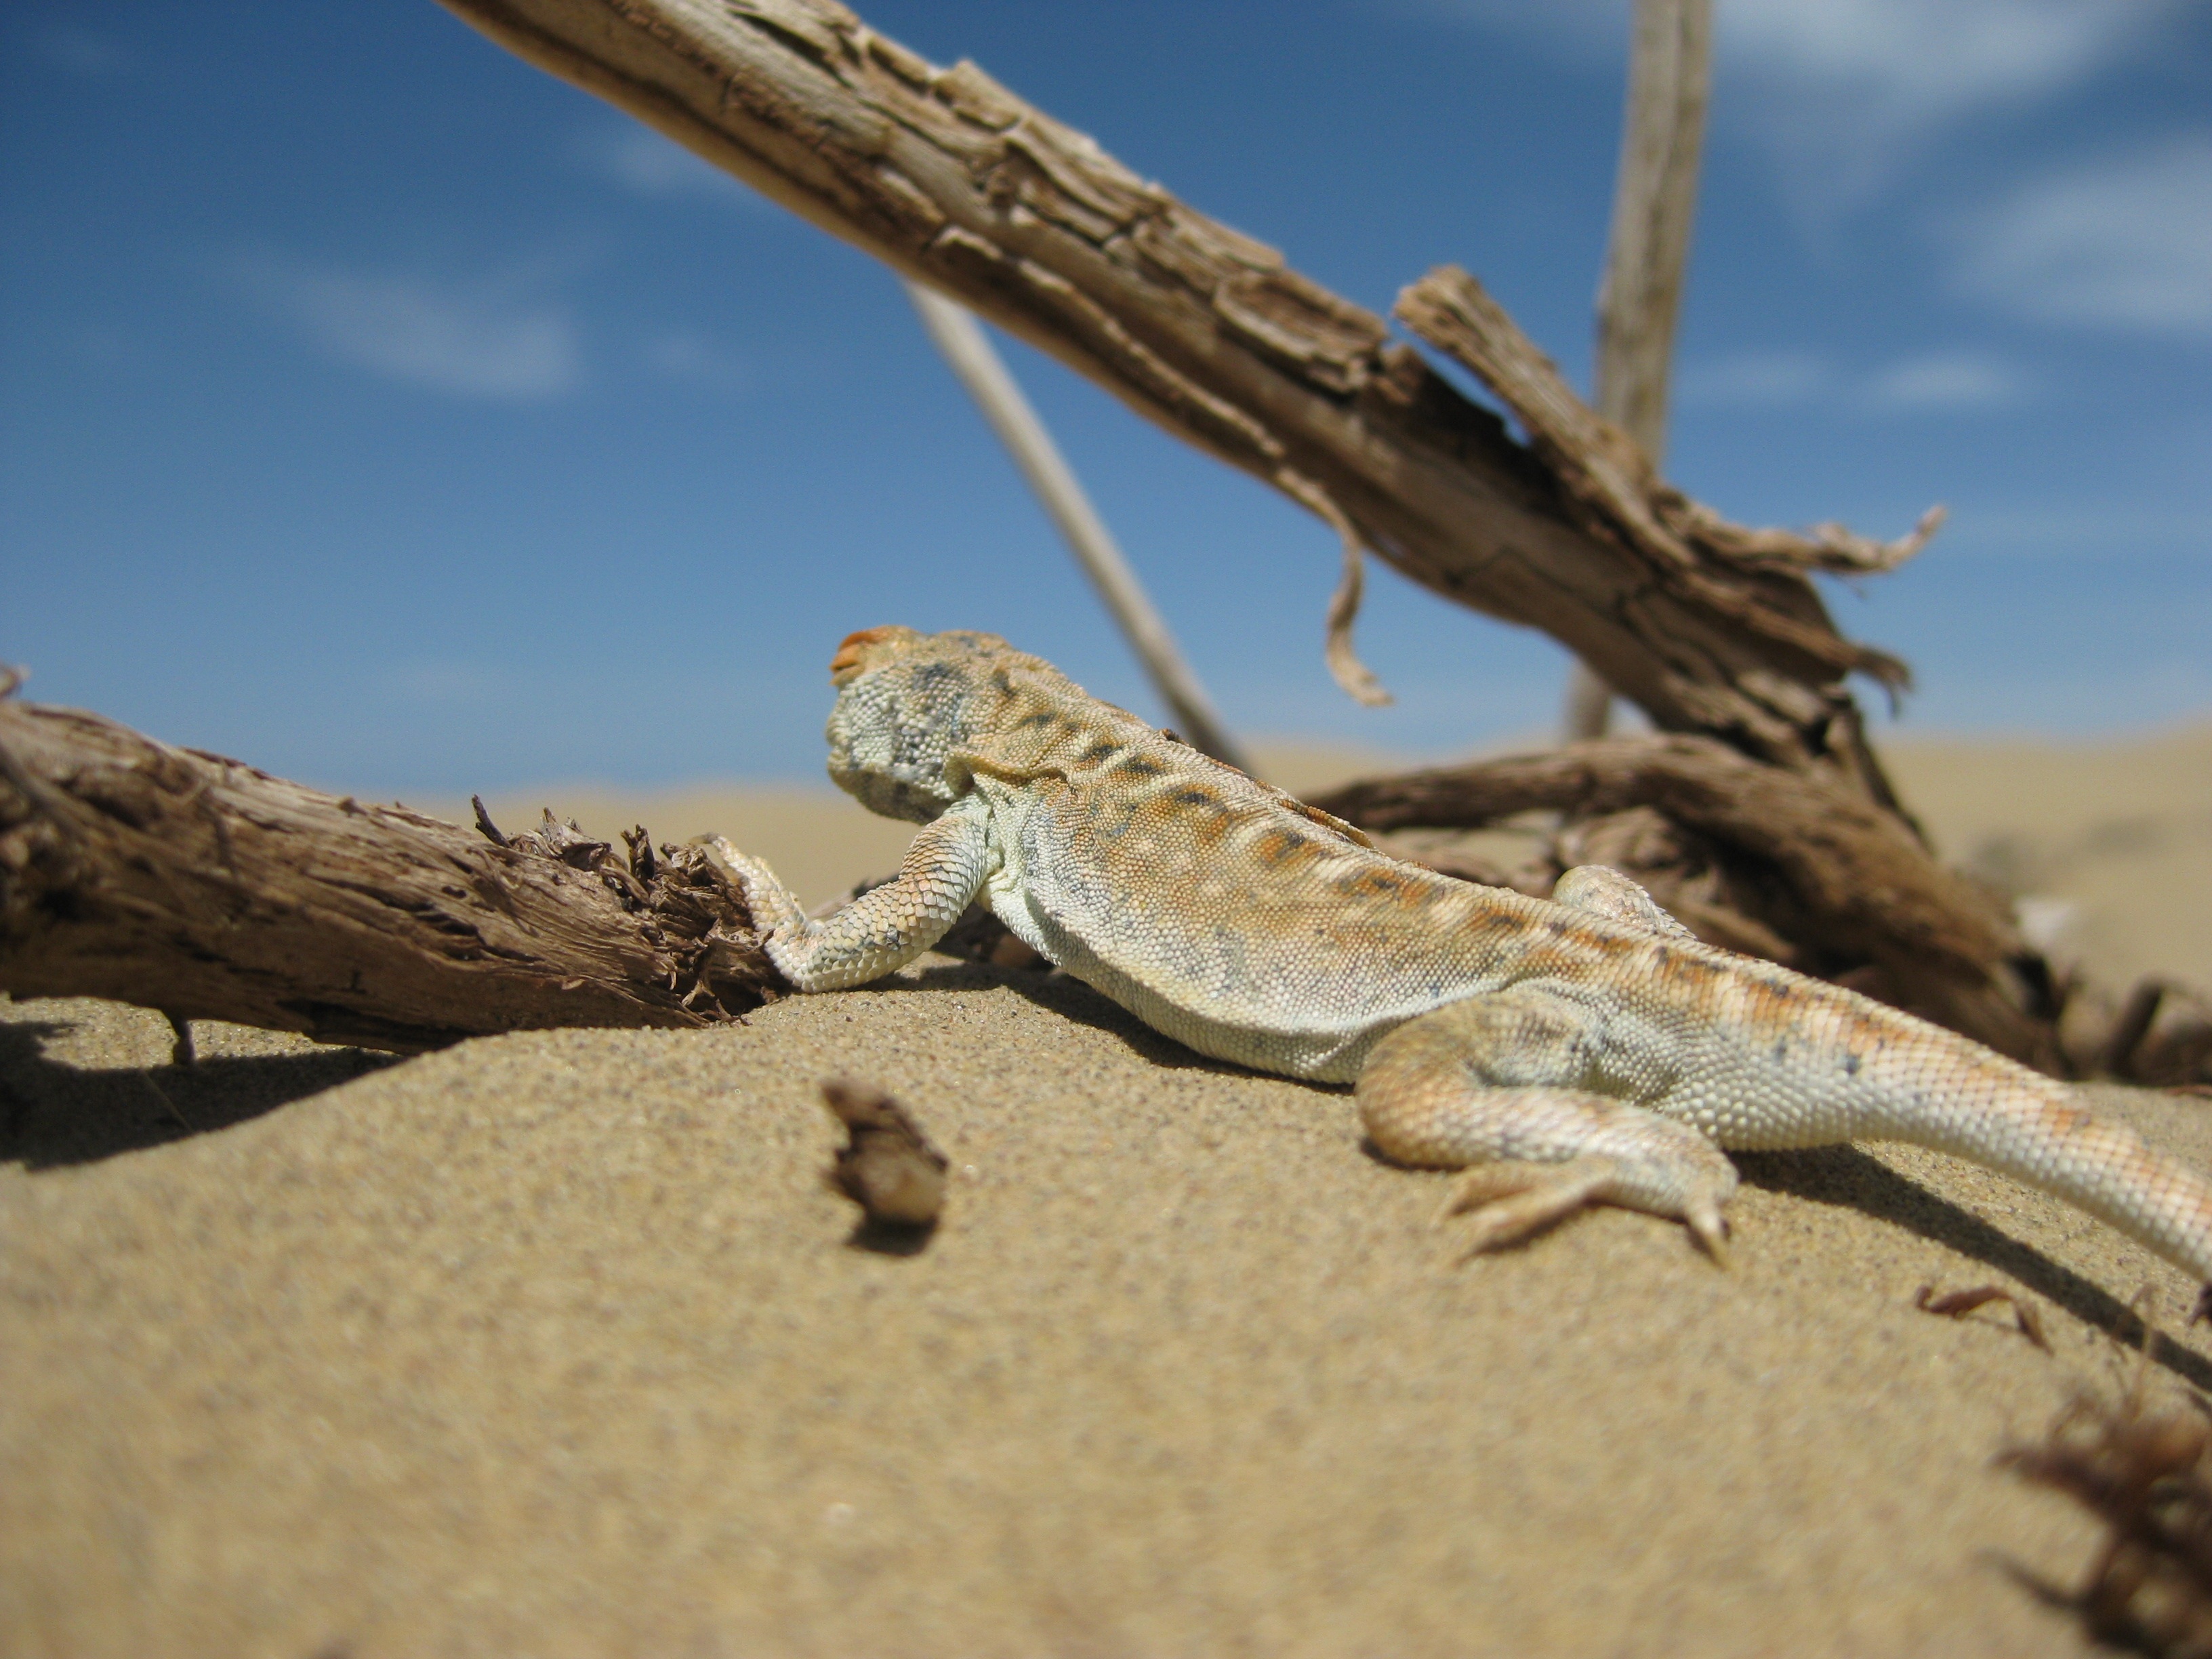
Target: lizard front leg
(884, 928)
(1490, 1085)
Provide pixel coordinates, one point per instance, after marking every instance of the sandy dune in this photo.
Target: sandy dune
(557, 1344)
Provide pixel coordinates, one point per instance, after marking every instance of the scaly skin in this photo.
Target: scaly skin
(1585, 1049)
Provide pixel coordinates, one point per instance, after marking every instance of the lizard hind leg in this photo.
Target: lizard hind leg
(1490, 1086)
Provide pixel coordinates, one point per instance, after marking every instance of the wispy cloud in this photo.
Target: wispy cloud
(640, 162)
(686, 356)
(1936, 382)
(496, 338)
(2124, 243)
(1944, 380)
(1842, 91)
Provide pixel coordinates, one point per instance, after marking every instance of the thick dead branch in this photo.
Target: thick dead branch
(952, 181)
(191, 883)
(1815, 874)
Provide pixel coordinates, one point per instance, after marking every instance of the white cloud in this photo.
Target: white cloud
(1936, 382)
(1944, 380)
(1843, 90)
(1914, 61)
(639, 161)
(473, 340)
(2125, 243)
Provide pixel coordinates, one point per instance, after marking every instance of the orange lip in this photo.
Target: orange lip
(847, 662)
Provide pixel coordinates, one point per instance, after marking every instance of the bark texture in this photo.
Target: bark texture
(953, 180)
(194, 884)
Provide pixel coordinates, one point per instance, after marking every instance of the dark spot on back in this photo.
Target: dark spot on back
(1096, 752)
(1138, 767)
(1193, 798)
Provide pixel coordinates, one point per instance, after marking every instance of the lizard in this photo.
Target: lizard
(1561, 1053)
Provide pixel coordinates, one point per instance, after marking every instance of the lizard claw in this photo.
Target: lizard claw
(1703, 1217)
(1517, 1199)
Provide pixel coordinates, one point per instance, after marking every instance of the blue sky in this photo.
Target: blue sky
(378, 409)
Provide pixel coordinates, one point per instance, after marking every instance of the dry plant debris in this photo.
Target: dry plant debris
(2142, 1472)
(1957, 1304)
(887, 1165)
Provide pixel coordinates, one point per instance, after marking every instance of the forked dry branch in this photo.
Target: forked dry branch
(953, 180)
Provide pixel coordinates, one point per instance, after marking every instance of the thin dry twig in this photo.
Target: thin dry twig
(1957, 1304)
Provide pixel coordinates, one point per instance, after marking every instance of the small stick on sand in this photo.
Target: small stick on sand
(887, 1165)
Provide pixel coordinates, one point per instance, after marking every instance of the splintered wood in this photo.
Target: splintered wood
(190, 884)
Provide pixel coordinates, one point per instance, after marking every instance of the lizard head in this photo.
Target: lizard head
(906, 700)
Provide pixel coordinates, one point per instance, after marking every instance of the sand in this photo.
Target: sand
(557, 1344)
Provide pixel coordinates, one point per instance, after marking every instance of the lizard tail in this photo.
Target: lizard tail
(2039, 1132)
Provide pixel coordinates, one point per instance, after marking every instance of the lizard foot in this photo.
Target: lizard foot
(1483, 1086)
(1513, 1201)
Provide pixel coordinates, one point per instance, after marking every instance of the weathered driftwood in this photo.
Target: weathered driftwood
(952, 181)
(1795, 867)
(194, 884)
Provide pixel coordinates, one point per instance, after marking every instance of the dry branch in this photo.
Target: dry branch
(1655, 198)
(194, 884)
(1654, 202)
(954, 181)
(1836, 883)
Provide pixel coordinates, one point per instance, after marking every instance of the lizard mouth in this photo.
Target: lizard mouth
(853, 652)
